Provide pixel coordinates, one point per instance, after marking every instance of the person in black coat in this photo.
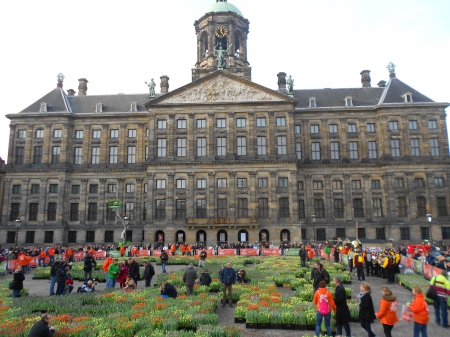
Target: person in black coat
(89, 263)
(318, 274)
(303, 255)
(19, 277)
(168, 290)
(149, 271)
(41, 328)
(205, 278)
(61, 277)
(134, 270)
(366, 309)
(342, 311)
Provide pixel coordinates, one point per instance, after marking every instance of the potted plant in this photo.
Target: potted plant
(264, 319)
(251, 319)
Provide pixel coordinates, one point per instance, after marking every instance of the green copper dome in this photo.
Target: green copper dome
(222, 6)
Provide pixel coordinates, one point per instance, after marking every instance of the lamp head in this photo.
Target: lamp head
(126, 219)
(18, 223)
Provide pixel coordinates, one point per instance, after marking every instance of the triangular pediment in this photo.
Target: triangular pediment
(221, 87)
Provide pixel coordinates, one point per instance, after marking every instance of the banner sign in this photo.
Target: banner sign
(417, 266)
(78, 256)
(249, 252)
(271, 251)
(427, 270)
(2, 267)
(100, 255)
(114, 253)
(209, 252)
(291, 252)
(156, 252)
(143, 252)
(13, 264)
(227, 252)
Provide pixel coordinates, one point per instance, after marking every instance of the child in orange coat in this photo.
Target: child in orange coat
(419, 309)
(388, 311)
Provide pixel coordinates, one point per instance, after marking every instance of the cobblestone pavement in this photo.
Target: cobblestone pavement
(226, 315)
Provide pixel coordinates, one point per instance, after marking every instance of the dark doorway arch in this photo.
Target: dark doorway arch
(201, 236)
(285, 235)
(243, 236)
(264, 235)
(160, 236)
(222, 236)
(180, 236)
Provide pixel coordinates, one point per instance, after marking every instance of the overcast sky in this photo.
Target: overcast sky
(118, 45)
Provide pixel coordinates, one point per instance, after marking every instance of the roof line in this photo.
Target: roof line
(383, 95)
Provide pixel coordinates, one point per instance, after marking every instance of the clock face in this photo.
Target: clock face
(221, 32)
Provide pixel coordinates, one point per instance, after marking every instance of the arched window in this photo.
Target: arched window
(201, 236)
(264, 236)
(159, 236)
(285, 235)
(204, 52)
(180, 236)
(222, 236)
(243, 236)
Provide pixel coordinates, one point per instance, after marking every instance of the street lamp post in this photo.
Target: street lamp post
(301, 237)
(429, 219)
(18, 223)
(313, 217)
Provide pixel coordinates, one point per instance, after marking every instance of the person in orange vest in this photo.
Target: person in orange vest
(106, 264)
(122, 250)
(173, 249)
(134, 251)
(51, 254)
(183, 249)
(310, 253)
(28, 258)
(69, 254)
(42, 257)
(22, 261)
(189, 249)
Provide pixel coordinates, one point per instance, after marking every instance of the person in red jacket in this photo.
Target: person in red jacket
(419, 309)
(42, 257)
(388, 311)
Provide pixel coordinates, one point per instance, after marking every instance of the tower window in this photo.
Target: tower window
(43, 107)
(408, 97)
(348, 101)
(99, 107)
(133, 107)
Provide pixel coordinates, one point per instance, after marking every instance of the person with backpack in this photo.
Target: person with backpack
(441, 284)
(342, 311)
(324, 302)
(319, 274)
(366, 309)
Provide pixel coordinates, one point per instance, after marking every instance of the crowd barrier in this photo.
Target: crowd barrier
(420, 268)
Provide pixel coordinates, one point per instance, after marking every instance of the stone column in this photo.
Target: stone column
(47, 150)
(211, 139)
(191, 146)
(7, 202)
(325, 155)
(150, 201)
(83, 201)
(28, 149)
(293, 207)
(328, 200)
(251, 141)
(273, 201)
(212, 194)
(253, 202)
(343, 146)
(171, 127)
(102, 202)
(190, 197)
(271, 141)
(367, 196)
(232, 195)
(139, 200)
(231, 139)
(122, 146)
(152, 138)
(170, 189)
(43, 195)
(348, 197)
(11, 147)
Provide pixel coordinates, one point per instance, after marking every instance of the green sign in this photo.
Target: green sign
(115, 203)
(114, 253)
(292, 251)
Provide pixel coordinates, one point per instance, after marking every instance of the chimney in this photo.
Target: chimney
(71, 92)
(365, 78)
(164, 84)
(382, 84)
(82, 86)
(281, 81)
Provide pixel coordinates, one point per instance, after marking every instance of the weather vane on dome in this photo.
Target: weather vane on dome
(60, 78)
(391, 68)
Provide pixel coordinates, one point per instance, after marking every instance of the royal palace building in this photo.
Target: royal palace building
(223, 159)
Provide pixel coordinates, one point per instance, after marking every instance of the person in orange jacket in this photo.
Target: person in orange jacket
(69, 254)
(122, 250)
(310, 253)
(173, 249)
(322, 294)
(420, 312)
(42, 257)
(134, 251)
(189, 249)
(28, 258)
(388, 311)
(106, 264)
(183, 249)
(51, 254)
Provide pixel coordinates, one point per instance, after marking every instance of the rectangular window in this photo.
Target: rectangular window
(333, 128)
(51, 211)
(112, 188)
(376, 184)
(281, 144)
(412, 125)
(145, 188)
(263, 182)
(74, 211)
(72, 237)
(160, 183)
(113, 154)
(162, 124)
(241, 143)
(90, 236)
(201, 208)
(261, 143)
(351, 128)
(380, 233)
(114, 133)
(243, 208)
(445, 233)
(110, 213)
(415, 148)
(319, 208)
(15, 209)
(393, 125)
(146, 152)
(20, 155)
(240, 122)
(96, 134)
(201, 183)
(95, 155)
(334, 147)
(180, 208)
(222, 208)
(441, 206)
(356, 184)
(283, 204)
(439, 182)
(395, 147)
(421, 206)
(321, 233)
(301, 209)
(353, 147)
(297, 129)
(221, 182)
(129, 209)
(78, 156)
(358, 208)
(404, 233)
(56, 154)
(131, 133)
(57, 133)
(398, 183)
(370, 127)
(340, 232)
(181, 124)
(131, 155)
(315, 128)
(39, 133)
(10, 237)
(317, 185)
(29, 236)
(37, 158)
(33, 212)
(261, 121)
(221, 146)
(434, 146)
(201, 147)
(281, 121)
(79, 134)
(109, 236)
(432, 124)
(129, 188)
(181, 183)
(263, 208)
(181, 147)
(338, 208)
(425, 233)
(361, 233)
(221, 123)
(75, 189)
(53, 188)
(315, 151)
(242, 182)
(401, 206)
(298, 150)
(282, 182)
(144, 214)
(92, 212)
(21, 134)
(377, 208)
(419, 182)
(201, 123)
(162, 147)
(35, 189)
(93, 188)
(16, 189)
(337, 185)
(372, 150)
